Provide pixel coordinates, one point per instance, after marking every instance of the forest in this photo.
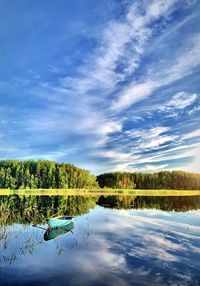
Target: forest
(43, 174)
(168, 180)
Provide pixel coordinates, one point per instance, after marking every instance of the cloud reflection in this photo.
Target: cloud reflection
(113, 247)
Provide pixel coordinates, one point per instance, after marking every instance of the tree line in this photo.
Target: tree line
(43, 174)
(169, 180)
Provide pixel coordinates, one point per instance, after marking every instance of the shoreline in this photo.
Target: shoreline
(106, 191)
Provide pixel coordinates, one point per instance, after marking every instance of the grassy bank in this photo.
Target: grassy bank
(107, 191)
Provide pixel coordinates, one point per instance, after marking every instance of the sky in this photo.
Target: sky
(106, 85)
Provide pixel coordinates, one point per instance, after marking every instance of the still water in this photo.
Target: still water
(114, 240)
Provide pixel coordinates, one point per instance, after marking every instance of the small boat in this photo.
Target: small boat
(59, 221)
(58, 231)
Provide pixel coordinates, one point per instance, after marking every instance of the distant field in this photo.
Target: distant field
(66, 192)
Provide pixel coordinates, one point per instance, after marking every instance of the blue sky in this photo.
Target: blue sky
(106, 85)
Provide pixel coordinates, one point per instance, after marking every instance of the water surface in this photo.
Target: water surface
(115, 240)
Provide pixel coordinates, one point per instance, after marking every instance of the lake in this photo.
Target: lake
(114, 240)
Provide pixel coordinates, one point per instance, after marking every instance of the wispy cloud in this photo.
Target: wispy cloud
(193, 134)
(181, 100)
(118, 93)
(152, 138)
(161, 75)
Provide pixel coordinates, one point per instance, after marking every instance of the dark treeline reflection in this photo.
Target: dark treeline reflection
(163, 203)
(35, 209)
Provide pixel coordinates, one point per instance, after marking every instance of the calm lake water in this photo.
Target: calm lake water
(114, 240)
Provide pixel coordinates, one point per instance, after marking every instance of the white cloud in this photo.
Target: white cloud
(150, 133)
(151, 168)
(86, 106)
(117, 157)
(155, 139)
(132, 94)
(195, 165)
(194, 110)
(150, 138)
(157, 142)
(181, 100)
(74, 108)
(170, 154)
(184, 64)
(162, 75)
(193, 134)
(148, 241)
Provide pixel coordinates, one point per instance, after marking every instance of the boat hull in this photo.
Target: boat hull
(56, 222)
(58, 231)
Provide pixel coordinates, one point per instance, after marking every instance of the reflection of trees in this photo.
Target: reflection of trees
(118, 202)
(36, 209)
(162, 203)
(169, 203)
